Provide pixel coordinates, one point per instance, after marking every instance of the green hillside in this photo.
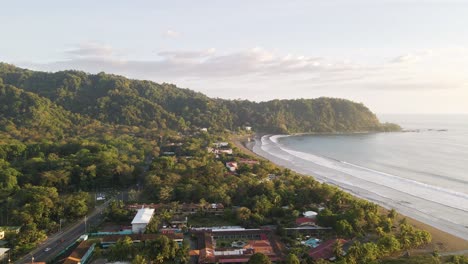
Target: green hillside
(118, 100)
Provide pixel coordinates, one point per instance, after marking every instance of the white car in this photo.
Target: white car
(47, 249)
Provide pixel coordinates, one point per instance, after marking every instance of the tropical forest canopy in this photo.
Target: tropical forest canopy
(62, 99)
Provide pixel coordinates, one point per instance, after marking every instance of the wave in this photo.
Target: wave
(465, 196)
(411, 170)
(440, 207)
(444, 196)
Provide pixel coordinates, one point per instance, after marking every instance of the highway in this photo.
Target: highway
(59, 241)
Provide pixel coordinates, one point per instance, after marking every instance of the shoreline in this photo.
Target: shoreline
(441, 240)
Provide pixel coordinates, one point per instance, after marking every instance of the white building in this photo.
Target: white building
(310, 214)
(232, 166)
(4, 253)
(141, 220)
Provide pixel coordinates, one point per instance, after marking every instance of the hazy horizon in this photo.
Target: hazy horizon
(396, 57)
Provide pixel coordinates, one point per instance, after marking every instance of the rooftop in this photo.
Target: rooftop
(3, 251)
(143, 216)
(324, 250)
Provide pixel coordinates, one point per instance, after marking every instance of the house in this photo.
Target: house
(135, 207)
(248, 128)
(81, 254)
(305, 221)
(204, 129)
(141, 220)
(4, 253)
(218, 151)
(220, 144)
(224, 151)
(216, 245)
(179, 221)
(325, 250)
(316, 231)
(215, 208)
(188, 208)
(232, 166)
(310, 214)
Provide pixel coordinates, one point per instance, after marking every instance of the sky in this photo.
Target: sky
(395, 56)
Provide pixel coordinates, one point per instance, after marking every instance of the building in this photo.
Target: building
(2, 234)
(305, 221)
(325, 250)
(221, 144)
(141, 220)
(81, 254)
(316, 231)
(232, 166)
(234, 245)
(109, 240)
(310, 214)
(4, 253)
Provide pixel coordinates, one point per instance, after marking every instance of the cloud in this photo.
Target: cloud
(222, 73)
(171, 34)
(205, 64)
(407, 58)
(91, 50)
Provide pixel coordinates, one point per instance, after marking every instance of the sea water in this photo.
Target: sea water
(423, 172)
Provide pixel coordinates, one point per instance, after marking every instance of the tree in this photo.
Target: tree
(388, 244)
(259, 258)
(139, 260)
(392, 214)
(243, 214)
(30, 235)
(344, 228)
(338, 249)
(122, 250)
(8, 176)
(292, 259)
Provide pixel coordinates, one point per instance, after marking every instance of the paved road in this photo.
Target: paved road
(60, 241)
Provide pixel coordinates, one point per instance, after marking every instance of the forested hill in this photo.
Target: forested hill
(117, 100)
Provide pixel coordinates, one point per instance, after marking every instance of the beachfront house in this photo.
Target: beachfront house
(232, 166)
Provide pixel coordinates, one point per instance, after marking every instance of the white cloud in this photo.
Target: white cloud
(407, 58)
(206, 64)
(91, 50)
(420, 70)
(171, 33)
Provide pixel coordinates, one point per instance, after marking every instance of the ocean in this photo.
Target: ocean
(422, 173)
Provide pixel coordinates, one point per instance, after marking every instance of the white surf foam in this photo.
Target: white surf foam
(439, 207)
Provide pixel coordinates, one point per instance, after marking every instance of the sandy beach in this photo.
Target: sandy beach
(454, 241)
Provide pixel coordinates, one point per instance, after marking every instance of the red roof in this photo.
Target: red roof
(304, 221)
(234, 260)
(324, 250)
